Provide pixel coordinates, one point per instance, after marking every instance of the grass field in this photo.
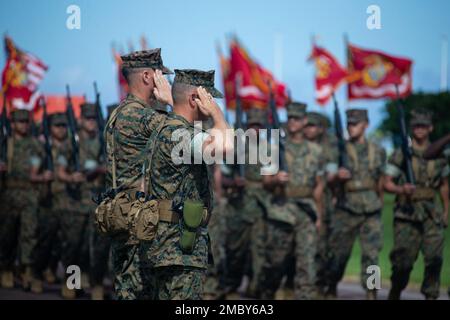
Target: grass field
(354, 265)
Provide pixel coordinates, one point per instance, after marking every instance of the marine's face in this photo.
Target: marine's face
(356, 130)
(21, 126)
(296, 124)
(89, 124)
(59, 131)
(421, 132)
(312, 131)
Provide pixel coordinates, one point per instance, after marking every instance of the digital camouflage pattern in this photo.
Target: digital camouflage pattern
(358, 212)
(135, 122)
(18, 215)
(177, 182)
(419, 226)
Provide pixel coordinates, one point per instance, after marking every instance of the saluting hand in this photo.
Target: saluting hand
(207, 104)
(162, 90)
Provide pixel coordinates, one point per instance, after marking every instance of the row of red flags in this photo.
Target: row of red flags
(369, 74)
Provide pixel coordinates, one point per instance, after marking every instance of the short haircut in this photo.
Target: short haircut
(180, 92)
(127, 72)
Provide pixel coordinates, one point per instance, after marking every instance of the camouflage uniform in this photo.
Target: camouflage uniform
(18, 216)
(418, 222)
(291, 226)
(135, 121)
(358, 210)
(245, 235)
(172, 273)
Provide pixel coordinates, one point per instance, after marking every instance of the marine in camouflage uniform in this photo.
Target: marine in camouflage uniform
(418, 216)
(127, 132)
(359, 204)
(174, 273)
(48, 248)
(18, 216)
(295, 212)
(316, 131)
(245, 244)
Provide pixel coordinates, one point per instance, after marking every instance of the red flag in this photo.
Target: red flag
(374, 74)
(21, 76)
(255, 85)
(57, 103)
(329, 74)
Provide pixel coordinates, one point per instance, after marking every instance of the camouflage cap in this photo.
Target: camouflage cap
(145, 59)
(20, 115)
(296, 109)
(316, 119)
(57, 118)
(256, 116)
(88, 110)
(198, 78)
(356, 115)
(421, 117)
(111, 108)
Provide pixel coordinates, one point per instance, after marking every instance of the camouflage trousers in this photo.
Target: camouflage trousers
(410, 238)
(244, 243)
(18, 227)
(213, 287)
(99, 249)
(74, 232)
(346, 227)
(286, 243)
(134, 280)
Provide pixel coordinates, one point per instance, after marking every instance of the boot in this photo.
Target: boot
(49, 276)
(371, 295)
(85, 281)
(36, 286)
(97, 293)
(394, 294)
(26, 279)
(67, 294)
(7, 280)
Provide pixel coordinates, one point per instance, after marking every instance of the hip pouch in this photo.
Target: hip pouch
(111, 214)
(192, 218)
(144, 218)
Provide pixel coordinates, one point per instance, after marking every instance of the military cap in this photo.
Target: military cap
(88, 110)
(421, 117)
(198, 78)
(145, 59)
(111, 108)
(356, 115)
(296, 109)
(316, 119)
(256, 116)
(20, 115)
(57, 118)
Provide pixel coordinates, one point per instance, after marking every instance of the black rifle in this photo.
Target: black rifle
(406, 149)
(276, 125)
(4, 134)
(48, 164)
(75, 142)
(343, 157)
(100, 123)
(238, 123)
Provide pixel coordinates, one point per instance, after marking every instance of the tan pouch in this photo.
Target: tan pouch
(111, 215)
(144, 218)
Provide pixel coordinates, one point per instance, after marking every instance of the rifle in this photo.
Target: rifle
(48, 148)
(406, 150)
(75, 142)
(343, 157)
(238, 123)
(100, 123)
(276, 125)
(4, 134)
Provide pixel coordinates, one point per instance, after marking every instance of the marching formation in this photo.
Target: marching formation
(165, 229)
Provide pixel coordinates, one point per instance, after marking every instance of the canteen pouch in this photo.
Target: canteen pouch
(111, 215)
(191, 220)
(144, 218)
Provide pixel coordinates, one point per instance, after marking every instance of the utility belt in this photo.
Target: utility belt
(420, 194)
(299, 192)
(136, 214)
(360, 185)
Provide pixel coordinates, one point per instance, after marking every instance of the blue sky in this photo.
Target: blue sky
(188, 30)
